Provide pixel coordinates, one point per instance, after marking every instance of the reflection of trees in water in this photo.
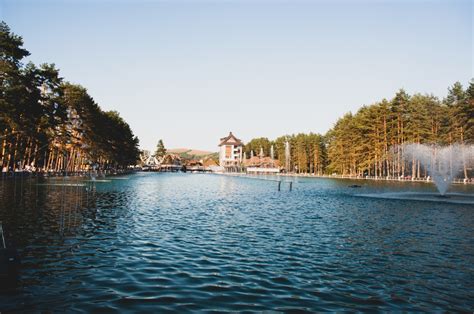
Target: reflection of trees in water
(35, 209)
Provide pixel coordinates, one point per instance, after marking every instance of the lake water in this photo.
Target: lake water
(189, 242)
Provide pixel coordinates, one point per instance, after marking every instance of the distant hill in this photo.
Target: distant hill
(189, 153)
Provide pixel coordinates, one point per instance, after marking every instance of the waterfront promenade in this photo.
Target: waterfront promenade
(373, 178)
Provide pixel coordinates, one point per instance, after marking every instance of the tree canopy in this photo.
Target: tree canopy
(50, 124)
(370, 142)
(160, 149)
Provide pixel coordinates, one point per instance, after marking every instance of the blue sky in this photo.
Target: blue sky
(191, 71)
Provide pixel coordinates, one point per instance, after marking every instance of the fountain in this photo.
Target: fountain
(287, 156)
(443, 164)
(272, 153)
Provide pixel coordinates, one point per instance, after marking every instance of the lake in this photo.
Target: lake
(204, 242)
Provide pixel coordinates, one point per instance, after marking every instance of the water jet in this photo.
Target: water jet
(442, 163)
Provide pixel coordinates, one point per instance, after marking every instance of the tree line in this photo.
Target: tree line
(370, 142)
(49, 124)
(308, 153)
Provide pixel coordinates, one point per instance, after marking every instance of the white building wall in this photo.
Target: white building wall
(235, 154)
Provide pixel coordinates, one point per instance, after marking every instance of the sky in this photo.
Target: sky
(188, 72)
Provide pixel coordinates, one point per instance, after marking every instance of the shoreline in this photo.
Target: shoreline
(60, 174)
(262, 176)
(343, 177)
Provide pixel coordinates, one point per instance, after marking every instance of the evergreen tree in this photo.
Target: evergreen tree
(257, 144)
(50, 124)
(160, 149)
(468, 119)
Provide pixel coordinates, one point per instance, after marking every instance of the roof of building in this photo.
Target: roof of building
(171, 159)
(192, 162)
(264, 162)
(230, 140)
(209, 162)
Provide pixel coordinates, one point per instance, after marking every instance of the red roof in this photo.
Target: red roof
(230, 140)
(264, 162)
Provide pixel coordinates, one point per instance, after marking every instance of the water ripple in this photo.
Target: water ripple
(184, 243)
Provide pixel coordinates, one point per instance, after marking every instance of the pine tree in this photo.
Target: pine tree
(53, 125)
(160, 149)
